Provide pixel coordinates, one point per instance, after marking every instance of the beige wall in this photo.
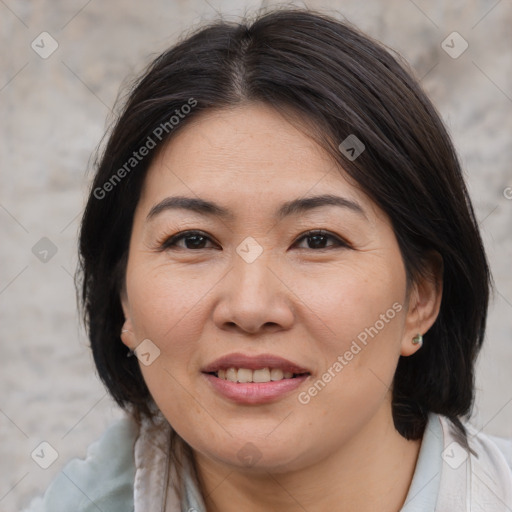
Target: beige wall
(53, 114)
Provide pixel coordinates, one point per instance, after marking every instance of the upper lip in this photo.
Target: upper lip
(239, 360)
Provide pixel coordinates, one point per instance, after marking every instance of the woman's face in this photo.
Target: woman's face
(255, 283)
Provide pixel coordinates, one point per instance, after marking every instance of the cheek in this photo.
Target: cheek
(352, 301)
(358, 318)
(168, 308)
(166, 303)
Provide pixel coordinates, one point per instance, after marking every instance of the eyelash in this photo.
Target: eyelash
(168, 243)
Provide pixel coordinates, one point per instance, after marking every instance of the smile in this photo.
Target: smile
(262, 375)
(254, 392)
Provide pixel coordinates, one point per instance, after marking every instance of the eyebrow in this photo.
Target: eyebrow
(294, 207)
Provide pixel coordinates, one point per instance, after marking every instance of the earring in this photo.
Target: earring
(418, 339)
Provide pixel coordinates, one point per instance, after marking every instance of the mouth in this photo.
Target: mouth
(254, 379)
(246, 375)
(238, 367)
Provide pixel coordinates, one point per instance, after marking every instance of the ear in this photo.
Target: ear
(126, 334)
(424, 303)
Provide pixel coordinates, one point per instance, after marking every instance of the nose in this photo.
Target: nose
(254, 297)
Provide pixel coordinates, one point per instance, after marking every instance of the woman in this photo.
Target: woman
(280, 236)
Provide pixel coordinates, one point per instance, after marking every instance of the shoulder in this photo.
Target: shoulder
(478, 469)
(103, 480)
(504, 444)
(496, 449)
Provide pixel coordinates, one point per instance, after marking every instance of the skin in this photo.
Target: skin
(340, 451)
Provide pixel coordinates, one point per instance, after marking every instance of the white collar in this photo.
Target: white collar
(425, 482)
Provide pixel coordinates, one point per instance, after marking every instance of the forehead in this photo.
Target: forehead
(247, 152)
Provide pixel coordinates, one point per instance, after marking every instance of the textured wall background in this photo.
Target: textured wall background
(53, 113)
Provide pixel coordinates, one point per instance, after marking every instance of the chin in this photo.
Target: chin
(255, 457)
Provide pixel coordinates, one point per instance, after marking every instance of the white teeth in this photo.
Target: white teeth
(260, 375)
(247, 375)
(276, 374)
(244, 375)
(232, 375)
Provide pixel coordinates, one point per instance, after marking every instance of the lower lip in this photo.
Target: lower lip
(254, 392)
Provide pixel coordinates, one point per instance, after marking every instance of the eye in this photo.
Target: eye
(197, 240)
(192, 240)
(317, 240)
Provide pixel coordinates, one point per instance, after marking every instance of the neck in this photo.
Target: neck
(372, 472)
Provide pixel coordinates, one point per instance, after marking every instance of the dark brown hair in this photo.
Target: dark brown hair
(325, 74)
